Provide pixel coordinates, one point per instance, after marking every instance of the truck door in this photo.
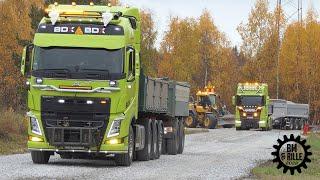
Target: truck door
(131, 80)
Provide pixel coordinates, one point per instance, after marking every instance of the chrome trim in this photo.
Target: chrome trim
(96, 90)
(74, 150)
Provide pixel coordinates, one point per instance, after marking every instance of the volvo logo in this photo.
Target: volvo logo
(76, 84)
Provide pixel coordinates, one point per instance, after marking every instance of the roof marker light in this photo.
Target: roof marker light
(106, 18)
(74, 3)
(54, 15)
(56, 3)
(91, 4)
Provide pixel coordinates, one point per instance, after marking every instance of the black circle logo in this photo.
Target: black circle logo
(291, 154)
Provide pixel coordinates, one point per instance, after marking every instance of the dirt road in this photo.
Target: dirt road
(218, 154)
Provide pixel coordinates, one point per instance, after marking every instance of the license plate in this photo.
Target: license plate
(73, 147)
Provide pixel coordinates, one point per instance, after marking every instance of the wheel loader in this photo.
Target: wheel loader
(205, 110)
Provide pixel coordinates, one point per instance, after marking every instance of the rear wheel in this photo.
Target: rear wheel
(191, 121)
(126, 159)
(145, 153)
(210, 122)
(173, 142)
(160, 139)
(154, 140)
(182, 137)
(40, 157)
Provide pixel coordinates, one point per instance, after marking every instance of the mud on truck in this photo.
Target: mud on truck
(252, 107)
(87, 94)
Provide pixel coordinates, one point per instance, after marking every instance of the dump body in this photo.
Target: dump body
(252, 106)
(287, 114)
(163, 96)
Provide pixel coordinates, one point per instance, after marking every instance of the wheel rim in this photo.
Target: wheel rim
(160, 139)
(149, 141)
(189, 121)
(131, 146)
(206, 122)
(155, 141)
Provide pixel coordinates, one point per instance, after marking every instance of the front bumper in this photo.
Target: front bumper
(104, 148)
(250, 123)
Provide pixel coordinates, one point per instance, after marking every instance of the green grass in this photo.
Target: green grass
(268, 170)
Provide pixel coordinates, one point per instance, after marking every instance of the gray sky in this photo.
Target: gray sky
(227, 14)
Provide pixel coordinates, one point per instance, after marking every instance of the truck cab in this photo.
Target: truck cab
(252, 106)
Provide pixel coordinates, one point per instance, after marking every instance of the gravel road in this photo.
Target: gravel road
(218, 154)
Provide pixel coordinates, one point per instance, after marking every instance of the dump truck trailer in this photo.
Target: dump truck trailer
(87, 94)
(288, 115)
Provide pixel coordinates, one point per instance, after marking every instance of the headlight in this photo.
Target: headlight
(39, 80)
(34, 124)
(115, 127)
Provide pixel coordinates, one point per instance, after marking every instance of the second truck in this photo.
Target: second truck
(252, 107)
(87, 95)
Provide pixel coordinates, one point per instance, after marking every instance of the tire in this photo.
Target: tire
(210, 122)
(145, 153)
(291, 124)
(126, 159)
(40, 157)
(154, 140)
(190, 121)
(228, 126)
(238, 129)
(160, 139)
(181, 137)
(173, 142)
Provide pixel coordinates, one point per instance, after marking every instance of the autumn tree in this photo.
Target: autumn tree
(16, 32)
(149, 53)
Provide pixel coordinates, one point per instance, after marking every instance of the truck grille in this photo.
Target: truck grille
(72, 122)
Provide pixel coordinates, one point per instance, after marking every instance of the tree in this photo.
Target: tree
(149, 53)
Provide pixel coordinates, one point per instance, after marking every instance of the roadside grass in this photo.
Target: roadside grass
(13, 132)
(268, 170)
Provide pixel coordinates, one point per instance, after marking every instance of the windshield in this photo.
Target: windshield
(87, 63)
(250, 101)
(207, 100)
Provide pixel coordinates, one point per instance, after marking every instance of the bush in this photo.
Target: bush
(12, 123)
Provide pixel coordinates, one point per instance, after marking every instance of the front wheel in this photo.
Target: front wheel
(210, 122)
(40, 157)
(191, 121)
(126, 159)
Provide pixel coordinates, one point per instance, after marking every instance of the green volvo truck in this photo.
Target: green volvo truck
(87, 94)
(252, 107)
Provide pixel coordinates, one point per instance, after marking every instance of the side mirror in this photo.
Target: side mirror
(26, 59)
(233, 100)
(23, 61)
(270, 110)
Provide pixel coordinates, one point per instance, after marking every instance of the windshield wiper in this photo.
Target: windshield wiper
(51, 73)
(58, 69)
(99, 70)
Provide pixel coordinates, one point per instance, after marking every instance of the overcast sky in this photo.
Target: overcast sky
(227, 14)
